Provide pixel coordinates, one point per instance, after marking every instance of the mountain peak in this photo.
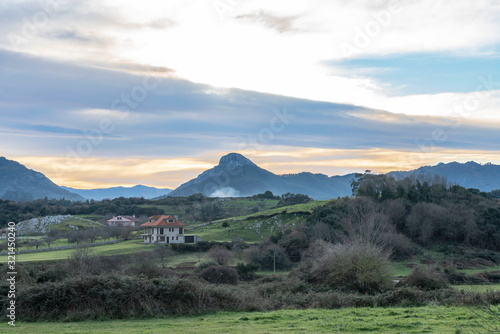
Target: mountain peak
(232, 160)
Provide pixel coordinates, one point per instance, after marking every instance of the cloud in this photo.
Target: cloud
(282, 24)
(225, 192)
(108, 113)
(117, 79)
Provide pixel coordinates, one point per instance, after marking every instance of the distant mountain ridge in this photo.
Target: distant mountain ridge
(469, 175)
(19, 183)
(115, 192)
(236, 176)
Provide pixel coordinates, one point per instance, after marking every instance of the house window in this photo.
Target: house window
(161, 230)
(180, 230)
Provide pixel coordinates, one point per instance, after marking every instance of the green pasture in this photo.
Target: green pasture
(125, 247)
(429, 319)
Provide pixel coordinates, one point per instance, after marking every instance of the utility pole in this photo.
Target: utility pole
(274, 261)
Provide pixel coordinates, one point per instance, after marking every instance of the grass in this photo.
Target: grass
(250, 230)
(257, 226)
(479, 270)
(478, 287)
(298, 208)
(80, 224)
(401, 269)
(429, 319)
(125, 247)
(238, 203)
(58, 243)
(90, 217)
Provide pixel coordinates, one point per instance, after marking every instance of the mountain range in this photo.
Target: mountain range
(19, 183)
(469, 175)
(115, 192)
(234, 176)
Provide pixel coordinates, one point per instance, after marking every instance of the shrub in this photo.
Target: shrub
(52, 275)
(220, 275)
(268, 256)
(246, 272)
(402, 247)
(204, 265)
(425, 278)
(184, 247)
(83, 261)
(357, 267)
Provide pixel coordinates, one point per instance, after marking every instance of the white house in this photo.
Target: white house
(166, 229)
(123, 221)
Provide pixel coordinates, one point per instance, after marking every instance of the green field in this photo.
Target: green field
(125, 247)
(430, 319)
(478, 287)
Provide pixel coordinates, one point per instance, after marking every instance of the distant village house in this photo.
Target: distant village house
(123, 221)
(167, 230)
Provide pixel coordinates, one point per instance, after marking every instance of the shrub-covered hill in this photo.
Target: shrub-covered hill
(258, 226)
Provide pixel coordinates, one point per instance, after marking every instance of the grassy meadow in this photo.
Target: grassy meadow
(429, 319)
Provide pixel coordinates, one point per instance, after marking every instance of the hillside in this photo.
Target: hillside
(258, 226)
(19, 183)
(44, 224)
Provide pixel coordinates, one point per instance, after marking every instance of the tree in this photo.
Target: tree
(424, 221)
(83, 261)
(52, 236)
(164, 252)
(220, 254)
(92, 235)
(292, 199)
(368, 225)
(36, 243)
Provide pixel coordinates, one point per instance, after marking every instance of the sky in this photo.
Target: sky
(117, 93)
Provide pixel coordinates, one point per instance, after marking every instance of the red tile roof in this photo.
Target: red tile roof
(163, 221)
(129, 218)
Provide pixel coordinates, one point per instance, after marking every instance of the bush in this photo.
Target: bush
(204, 265)
(220, 275)
(52, 275)
(425, 278)
(268, 256)
(184, 247)
(355, 267)
(246, 272)
(402, 247)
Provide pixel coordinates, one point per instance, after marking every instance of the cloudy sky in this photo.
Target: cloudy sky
(106, 92)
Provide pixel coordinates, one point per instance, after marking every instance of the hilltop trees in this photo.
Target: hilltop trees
(427, 209)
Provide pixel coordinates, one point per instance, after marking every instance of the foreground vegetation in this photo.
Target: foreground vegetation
(429, 319)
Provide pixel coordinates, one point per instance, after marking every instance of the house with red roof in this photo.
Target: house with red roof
(123, 221)
(166, 229)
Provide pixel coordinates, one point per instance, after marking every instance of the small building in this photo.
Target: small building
(123, 221)
(166, 229)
